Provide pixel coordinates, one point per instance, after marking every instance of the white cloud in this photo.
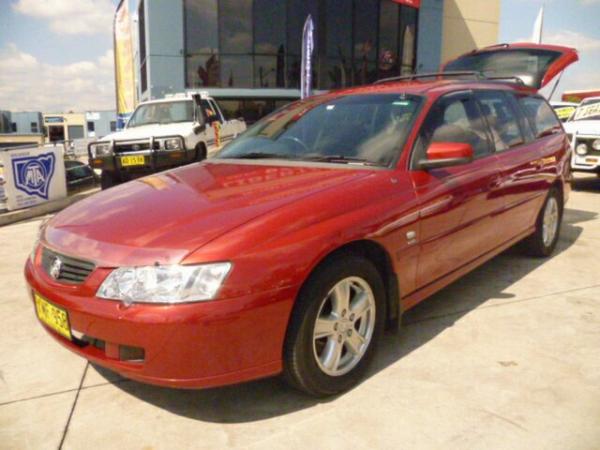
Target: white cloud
(70, 16)
(28, 84)
(575, 39)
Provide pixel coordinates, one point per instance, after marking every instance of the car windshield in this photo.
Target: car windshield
(365, 129)
(589, 110)
(162, 113)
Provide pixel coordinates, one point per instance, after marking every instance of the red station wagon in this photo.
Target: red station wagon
(324, 222)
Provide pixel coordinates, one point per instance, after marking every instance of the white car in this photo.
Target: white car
(564, 110)
(170, 132)
(583, 129)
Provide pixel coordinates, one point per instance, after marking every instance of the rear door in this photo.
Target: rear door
(534, 64)
(518, 155)
(456, 203)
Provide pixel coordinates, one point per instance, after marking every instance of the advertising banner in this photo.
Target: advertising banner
(413, 3)
(124, 73)
(33, 175)
(307, 50)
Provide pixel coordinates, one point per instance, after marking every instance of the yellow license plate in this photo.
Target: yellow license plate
(53, 316)
(137, 160)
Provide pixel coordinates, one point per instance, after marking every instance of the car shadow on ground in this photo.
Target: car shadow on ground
(262, 399)
(587, 183)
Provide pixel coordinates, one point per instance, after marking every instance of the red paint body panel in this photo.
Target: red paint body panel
(275, 221)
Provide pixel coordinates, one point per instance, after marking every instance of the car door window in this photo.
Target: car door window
(455, 118)
(501, 119)
(541, 115)
(216, 110)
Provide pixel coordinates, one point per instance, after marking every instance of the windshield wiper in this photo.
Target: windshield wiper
(342, 159)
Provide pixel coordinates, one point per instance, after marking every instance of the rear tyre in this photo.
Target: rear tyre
(335, 326)
(108, 180)
(543, 241)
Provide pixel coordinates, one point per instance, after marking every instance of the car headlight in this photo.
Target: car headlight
(596, 145)
(164, 284)
(38, 237)
(173, 144)
(101, 149)
(581, 149)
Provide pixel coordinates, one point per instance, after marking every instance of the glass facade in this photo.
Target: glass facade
(257, 43)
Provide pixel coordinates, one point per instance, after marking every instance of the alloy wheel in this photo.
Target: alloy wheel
(344, 326)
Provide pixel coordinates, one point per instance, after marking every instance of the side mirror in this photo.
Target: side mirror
(199, 127)
(446, 154)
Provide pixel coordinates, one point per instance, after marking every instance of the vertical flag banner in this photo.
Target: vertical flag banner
(307, 50)
(538, 27)
(124, 73)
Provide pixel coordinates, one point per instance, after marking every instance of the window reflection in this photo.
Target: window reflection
(257, 43)
(235, 26)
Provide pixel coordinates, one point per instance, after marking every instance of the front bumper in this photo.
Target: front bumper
(154, 157)
(194, 345)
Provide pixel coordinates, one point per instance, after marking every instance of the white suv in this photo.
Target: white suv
(161, 134)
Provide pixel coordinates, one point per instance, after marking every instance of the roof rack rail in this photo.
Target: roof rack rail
(478, 76)
(517, 80)
(416, 76)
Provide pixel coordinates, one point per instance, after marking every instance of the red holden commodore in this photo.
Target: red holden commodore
(291, 251)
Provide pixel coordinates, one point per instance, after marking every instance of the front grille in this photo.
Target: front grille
(134, 146)
(64, 268)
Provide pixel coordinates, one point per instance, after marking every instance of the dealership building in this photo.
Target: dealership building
(247, 53)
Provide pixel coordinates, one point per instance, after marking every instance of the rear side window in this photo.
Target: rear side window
(541, 116)
(500, 116)
(453, 119)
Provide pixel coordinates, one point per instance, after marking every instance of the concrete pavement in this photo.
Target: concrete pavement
(506, 358)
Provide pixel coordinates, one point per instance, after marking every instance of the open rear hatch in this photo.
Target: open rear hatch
(535, 64)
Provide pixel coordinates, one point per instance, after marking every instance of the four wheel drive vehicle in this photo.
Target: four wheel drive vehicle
(292, 249)
(564, 110)
(583, 129)
(162, 134)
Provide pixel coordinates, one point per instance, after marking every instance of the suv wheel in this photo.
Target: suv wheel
(335, 326)
(543, 241)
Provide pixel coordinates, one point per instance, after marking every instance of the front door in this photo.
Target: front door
(456, 203)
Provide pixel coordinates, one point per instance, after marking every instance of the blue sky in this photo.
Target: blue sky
(567, 22)
(56, 55)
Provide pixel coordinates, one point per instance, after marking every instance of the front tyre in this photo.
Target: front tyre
(336, 324)
(543, 241)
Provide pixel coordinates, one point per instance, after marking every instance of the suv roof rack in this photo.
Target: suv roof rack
(478, 76)
(416, 76)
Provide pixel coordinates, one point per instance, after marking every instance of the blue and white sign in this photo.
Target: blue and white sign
(33, 175)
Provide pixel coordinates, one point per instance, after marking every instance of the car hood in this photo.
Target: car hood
(156, 130)
(583, 127)
(164, 217)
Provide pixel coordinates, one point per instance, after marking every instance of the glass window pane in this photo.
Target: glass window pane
(365, 30)
(201, 34)
(236, 71)
(540, 115)
(235, 26)
(501, 119)
(339, 29)
(389, 27)
(202, 71)
(269, 26)
(269, 71)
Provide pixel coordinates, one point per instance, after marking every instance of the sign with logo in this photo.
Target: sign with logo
(33, 176)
